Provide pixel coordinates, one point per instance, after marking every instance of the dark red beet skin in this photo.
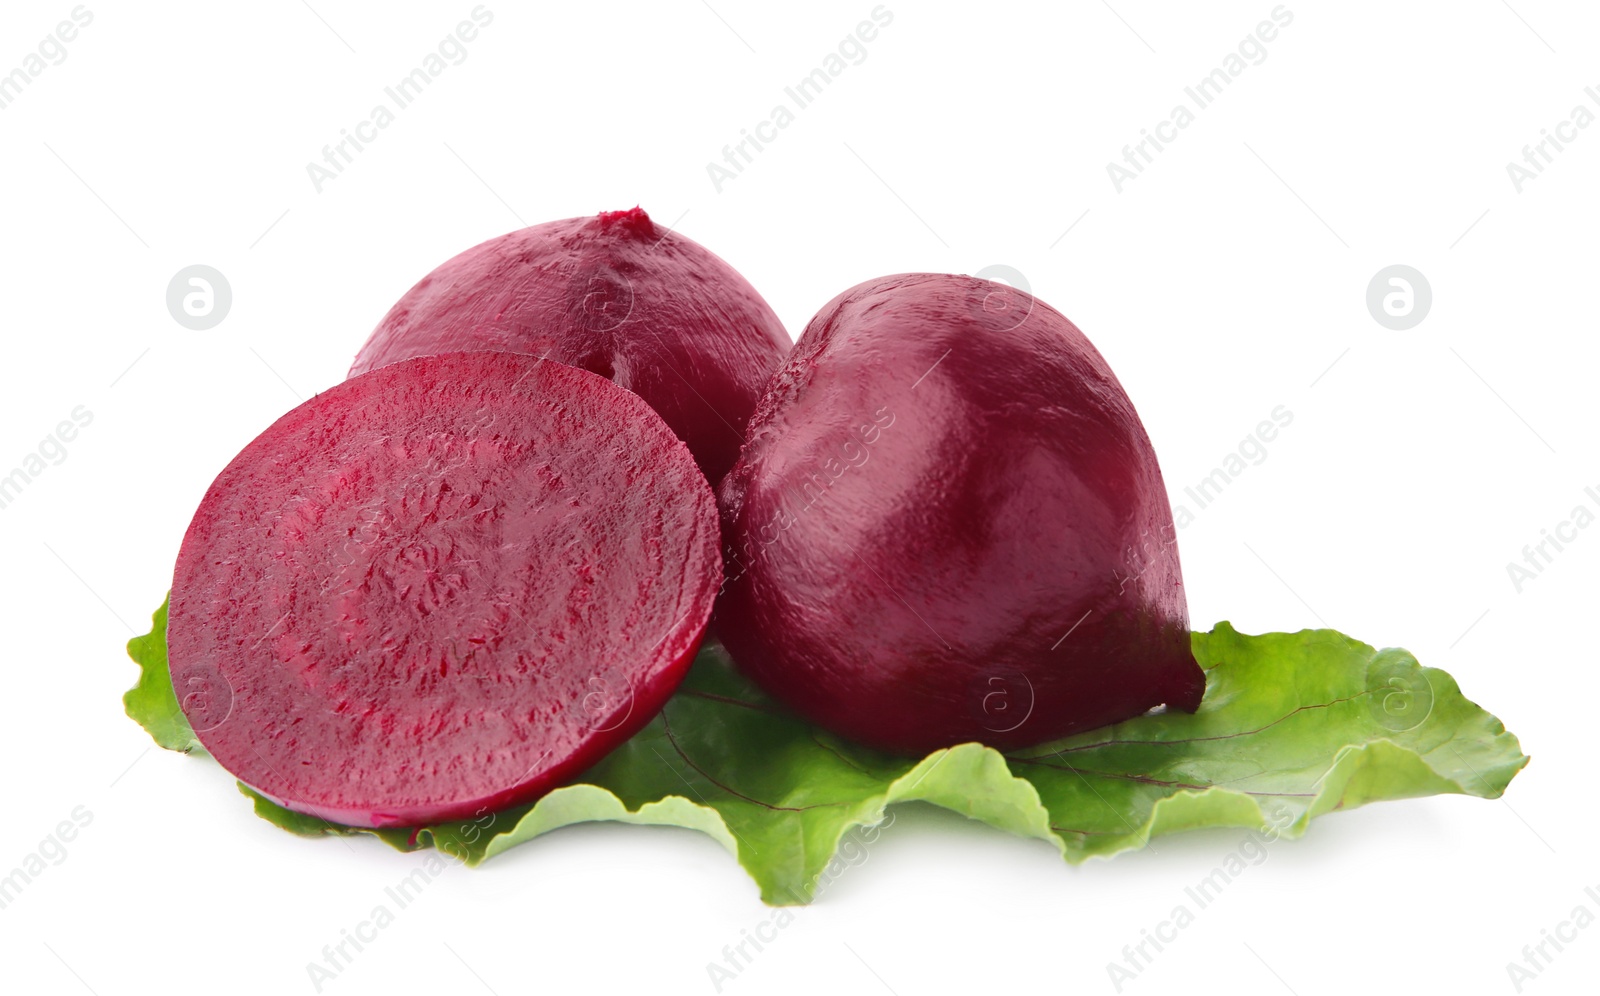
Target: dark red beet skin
(948, 525)
(441, 588)
(617, 295)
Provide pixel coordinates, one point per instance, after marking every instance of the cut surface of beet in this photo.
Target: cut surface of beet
(615, 294)
(441, 588)
(948, 525)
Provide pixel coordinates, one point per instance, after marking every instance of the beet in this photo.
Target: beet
(615, 294)
(948, 525)
(441, 588)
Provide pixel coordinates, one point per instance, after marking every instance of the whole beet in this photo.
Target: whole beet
(617, 295)
(947, 525)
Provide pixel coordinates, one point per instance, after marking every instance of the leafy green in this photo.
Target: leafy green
(152, 701)
(1293, 725)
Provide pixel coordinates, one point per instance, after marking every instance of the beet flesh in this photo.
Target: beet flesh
(617, 295)
(948, 525)
(441, 588)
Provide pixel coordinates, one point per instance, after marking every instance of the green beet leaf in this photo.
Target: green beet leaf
(152, 702)
(1293, 725)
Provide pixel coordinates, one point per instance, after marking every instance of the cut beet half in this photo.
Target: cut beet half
(441, 588)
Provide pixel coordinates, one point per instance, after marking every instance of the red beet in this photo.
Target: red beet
(948, 525)
(617, 295)
(441, 588)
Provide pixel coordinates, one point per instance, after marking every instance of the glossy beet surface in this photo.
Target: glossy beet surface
(948, 525)
(441, 588)
(617, 295)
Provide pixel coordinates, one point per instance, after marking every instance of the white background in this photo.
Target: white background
(1226, 280)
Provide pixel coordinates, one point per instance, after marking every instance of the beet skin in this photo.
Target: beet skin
(617, 295)
(441, 589)
(948, 525)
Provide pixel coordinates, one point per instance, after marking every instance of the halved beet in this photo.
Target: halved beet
(948, 525)
(441, 588)
(617, 295)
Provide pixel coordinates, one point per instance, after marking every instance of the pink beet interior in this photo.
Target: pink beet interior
(442, 588)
